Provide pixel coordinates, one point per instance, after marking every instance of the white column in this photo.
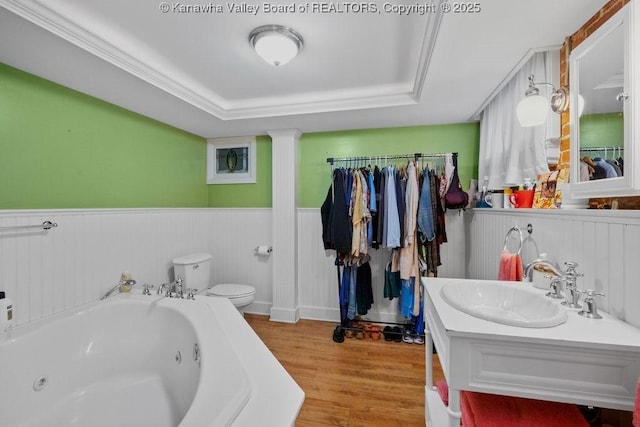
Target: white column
(285, 237)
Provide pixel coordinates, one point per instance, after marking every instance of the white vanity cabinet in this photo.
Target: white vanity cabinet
(605, 107)
(583, 361)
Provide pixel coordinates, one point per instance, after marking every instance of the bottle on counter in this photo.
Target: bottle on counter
(6, 313)
(484, 200)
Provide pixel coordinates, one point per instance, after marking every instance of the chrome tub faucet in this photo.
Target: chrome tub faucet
(129, 283)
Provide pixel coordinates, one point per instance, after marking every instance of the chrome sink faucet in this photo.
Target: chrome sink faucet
(540, 264)
(176, 289)
(590, 310)
(570, 278)
(554, 287)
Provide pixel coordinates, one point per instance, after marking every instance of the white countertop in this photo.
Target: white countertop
(607, 332)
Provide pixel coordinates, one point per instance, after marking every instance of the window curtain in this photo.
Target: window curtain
(509, 152)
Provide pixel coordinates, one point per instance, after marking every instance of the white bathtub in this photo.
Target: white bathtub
(136, 360)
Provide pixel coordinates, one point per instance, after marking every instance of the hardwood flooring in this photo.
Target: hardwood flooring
(360, 382)
(356, 383)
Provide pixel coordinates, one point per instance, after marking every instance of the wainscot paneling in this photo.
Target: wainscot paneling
(46, 272)
(605, 244)
(318, 277)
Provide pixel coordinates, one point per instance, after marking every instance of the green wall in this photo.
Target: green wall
(315, 174)
(602, 130)
(315, 148)
(247, 195)
(63, 149)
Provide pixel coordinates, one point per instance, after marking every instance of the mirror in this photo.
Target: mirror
(601, 118)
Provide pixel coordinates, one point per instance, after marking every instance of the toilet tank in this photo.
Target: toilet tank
(194, 270)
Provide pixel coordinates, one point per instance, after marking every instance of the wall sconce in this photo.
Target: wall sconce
(276, 44)
(532, 110)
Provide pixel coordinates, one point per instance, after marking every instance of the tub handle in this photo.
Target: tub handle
(196, 352)
(191, 293)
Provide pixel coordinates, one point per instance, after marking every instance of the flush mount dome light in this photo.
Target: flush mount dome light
(276, 44)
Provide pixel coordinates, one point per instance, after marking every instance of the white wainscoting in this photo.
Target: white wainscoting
(46, 272)
(318, 279)
(605, 244)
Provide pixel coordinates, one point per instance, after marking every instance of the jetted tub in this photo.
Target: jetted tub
(136, 360)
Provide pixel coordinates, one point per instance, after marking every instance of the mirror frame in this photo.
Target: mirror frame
(629, 183)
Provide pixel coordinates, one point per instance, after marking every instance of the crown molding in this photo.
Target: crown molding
(366, 98)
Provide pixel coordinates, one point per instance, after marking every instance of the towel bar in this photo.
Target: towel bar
(47, 225)
(506, 238)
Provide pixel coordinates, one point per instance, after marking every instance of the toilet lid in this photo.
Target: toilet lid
(231, 290)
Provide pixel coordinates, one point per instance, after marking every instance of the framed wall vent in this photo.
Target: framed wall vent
(231, 160)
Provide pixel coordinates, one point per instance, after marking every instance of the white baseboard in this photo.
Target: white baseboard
(320, 313)
(258, 307)
(333, 315)
(286, 315)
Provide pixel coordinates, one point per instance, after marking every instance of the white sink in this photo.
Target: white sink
(508, 303)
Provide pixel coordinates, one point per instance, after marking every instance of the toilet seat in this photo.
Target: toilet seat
(232, 291)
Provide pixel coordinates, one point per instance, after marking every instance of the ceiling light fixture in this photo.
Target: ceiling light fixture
(532, 110)
(276, 44)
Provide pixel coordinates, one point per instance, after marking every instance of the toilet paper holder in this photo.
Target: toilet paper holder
(263, 250)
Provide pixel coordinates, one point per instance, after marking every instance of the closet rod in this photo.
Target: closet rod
(614, 149)
(414, 156)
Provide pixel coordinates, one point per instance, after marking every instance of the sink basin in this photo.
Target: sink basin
(500, 302)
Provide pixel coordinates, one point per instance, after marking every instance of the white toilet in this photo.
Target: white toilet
(195, 272)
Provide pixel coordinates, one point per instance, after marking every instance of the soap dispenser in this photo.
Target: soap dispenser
(6, 313)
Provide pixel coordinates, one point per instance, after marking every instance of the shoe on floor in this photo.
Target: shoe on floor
(376, 332)
(338, 334)
(397, 333)
(388, 333)
(407, 338)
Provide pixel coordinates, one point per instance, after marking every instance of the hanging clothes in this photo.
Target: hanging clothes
(401, 185)
(425, 209)
(357, 213)
(391, 230)
(392, 283)
(351, 313)
(431, 249)
(345, 287)
(373, 207)
(336, 228)
(397, 208)
(409, 251)
(381, 214)
(364, 289)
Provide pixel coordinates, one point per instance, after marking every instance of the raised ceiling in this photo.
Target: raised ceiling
(364, 65)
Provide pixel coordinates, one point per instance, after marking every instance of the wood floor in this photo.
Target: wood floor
(360, 382)
(355, 383)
